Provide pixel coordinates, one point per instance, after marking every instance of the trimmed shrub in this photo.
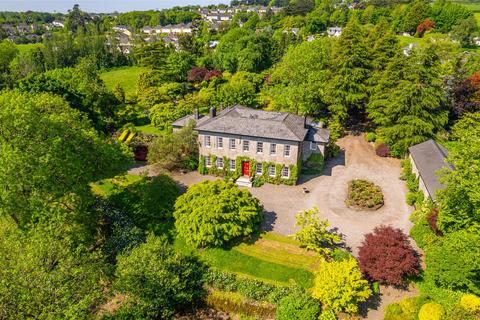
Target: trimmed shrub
(382, 150)
(470, 302)
(406, 309)
(314, 164)
(459, 313)
(364, 194)
(431, 311)
(387, 256)
(298, 306)
(213, 213)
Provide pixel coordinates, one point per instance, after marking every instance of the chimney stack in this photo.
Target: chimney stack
(196, 115)
(213, 112)
(305, 120)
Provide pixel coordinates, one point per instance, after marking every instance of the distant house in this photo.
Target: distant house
(277, 142)
(147, 30)
(427, 158)
(58, 24)
(334, 31)
(122, 29)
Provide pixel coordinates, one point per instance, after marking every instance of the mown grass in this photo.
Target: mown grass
(272, 258)
(28, 46)
(126, 77)
(472, 6)
(104, 187)
(150, 129)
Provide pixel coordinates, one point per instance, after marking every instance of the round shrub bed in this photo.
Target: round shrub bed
(364, 195)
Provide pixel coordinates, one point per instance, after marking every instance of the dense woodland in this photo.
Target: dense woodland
(80, 239)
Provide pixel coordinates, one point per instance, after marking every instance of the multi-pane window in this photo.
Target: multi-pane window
(231, 164)
(246, 145)
(220, 142)
(273, 149)
(208, 162)
(259, 147)
(271, 171)
(220, 162)
(232, 144)
(285, 172)
(207, 141)
(258, 169)
(313, 146)
(286, 151)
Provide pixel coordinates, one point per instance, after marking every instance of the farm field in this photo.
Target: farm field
(126, 77)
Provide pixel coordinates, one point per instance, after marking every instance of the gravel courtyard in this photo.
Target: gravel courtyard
(328, 193)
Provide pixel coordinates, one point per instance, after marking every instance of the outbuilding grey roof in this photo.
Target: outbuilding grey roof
(183, 121)
(429, 157)
(239, 120)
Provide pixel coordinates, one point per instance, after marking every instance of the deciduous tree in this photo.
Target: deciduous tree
(387, 256)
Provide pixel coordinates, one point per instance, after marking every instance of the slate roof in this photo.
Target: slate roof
(429, 157)
(243, 121)
(183, 121)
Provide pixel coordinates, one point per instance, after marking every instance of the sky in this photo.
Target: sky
(98, 5)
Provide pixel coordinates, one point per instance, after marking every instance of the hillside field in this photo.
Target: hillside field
(126, 77)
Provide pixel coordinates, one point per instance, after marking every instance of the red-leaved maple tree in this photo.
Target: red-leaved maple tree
(387, 256)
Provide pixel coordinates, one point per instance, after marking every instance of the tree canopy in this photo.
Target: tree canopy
(49, 154)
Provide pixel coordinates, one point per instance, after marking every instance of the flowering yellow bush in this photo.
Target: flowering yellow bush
(431, 311)
(470, 302)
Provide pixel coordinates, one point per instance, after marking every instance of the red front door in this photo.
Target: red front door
(246, 168)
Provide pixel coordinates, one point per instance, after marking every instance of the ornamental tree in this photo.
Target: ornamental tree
(213, 213)
(340, 287)
(387, 256)
(298, 306)
(314, 234)
(158, 280)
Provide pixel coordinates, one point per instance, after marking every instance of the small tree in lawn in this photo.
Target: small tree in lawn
(213, 213)
(314, 234)
(387, 256)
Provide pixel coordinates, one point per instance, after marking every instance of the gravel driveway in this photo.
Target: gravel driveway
(329, 191)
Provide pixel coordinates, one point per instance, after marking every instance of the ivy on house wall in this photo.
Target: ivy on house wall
(258, 179)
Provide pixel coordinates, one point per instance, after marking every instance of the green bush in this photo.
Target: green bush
(213, 213)
(158, 280)
(459, 313)
(364, 195)
(314, 164)
(453, 262)
(370, 137)
(431, 311)
(406, 309)
(298, 306)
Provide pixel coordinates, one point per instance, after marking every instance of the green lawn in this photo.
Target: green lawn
(28, 46)
(404, 40)
(477, 17)
(126, 77)
(150, 129)
(472, 6)
(271, 258)
(104, 187)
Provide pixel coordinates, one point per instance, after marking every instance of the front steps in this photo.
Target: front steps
(244, 182)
